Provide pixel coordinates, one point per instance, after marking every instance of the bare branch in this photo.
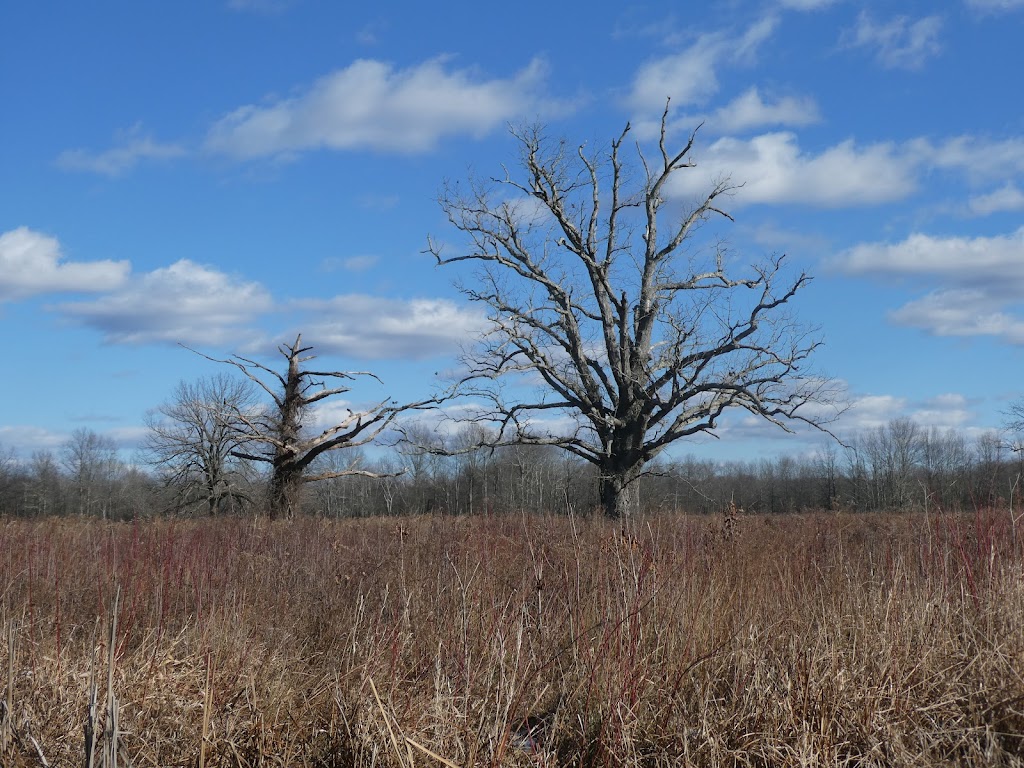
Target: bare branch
(614, 306)
(290, 447)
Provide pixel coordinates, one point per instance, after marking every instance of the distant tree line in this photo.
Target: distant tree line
(899, 466)
(84, 477)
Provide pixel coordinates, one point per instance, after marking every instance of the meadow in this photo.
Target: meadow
(798, 640)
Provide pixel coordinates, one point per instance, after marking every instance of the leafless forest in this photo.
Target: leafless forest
(898, 467)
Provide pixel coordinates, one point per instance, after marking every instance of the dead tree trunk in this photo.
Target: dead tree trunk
(290, 447)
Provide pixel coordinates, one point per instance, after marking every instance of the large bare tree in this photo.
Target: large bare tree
(192, 439)
(600, 291)
(289, 447)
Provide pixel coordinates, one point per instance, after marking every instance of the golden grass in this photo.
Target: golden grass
(807, 640)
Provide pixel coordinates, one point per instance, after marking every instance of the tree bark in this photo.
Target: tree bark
(285, 493)
(619, 492)
(278, 431)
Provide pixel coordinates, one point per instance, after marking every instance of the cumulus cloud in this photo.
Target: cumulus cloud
(899, 43)
(373, 105)
(374, 328)
(978, 158)
(689, 76)
(872, 411)
(946, 411)
(983, 260)
(31, 263)
(773, 169)
(1006, 198)
(185, 302)
(961, 312)
(750, 110)
(117, 161)
(976, 283)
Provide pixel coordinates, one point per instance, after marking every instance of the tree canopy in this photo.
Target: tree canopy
(634, 332)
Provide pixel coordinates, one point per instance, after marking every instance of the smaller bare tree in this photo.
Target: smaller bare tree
(93, 469)
(193, 438)
(289, 447)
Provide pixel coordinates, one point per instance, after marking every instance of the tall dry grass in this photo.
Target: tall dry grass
(814, 640)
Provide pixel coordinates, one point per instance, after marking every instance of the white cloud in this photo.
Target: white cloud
(372, 105)
(872, 411)
(25, 439)
(185, 302)
(375, 328)
(128, 437)
(961, 312)
(689, 76)
(750, 110)
(864, 413)
(32, 263)
(1007, 198)
(977, 157)
(987, 261)
(976, 282)
(745, 48)
(133, 148)
(330, 412)
(773, 169)
(947, 411)
(899, 43)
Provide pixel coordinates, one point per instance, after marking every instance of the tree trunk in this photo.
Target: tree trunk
(619, 493)
(285, 493)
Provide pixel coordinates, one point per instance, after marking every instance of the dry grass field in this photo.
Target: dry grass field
(825, 639)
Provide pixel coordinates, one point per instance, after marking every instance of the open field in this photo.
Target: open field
(828, 639)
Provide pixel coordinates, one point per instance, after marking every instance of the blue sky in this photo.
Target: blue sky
(226, 174)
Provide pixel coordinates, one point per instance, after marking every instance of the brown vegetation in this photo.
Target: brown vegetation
(827, 639)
